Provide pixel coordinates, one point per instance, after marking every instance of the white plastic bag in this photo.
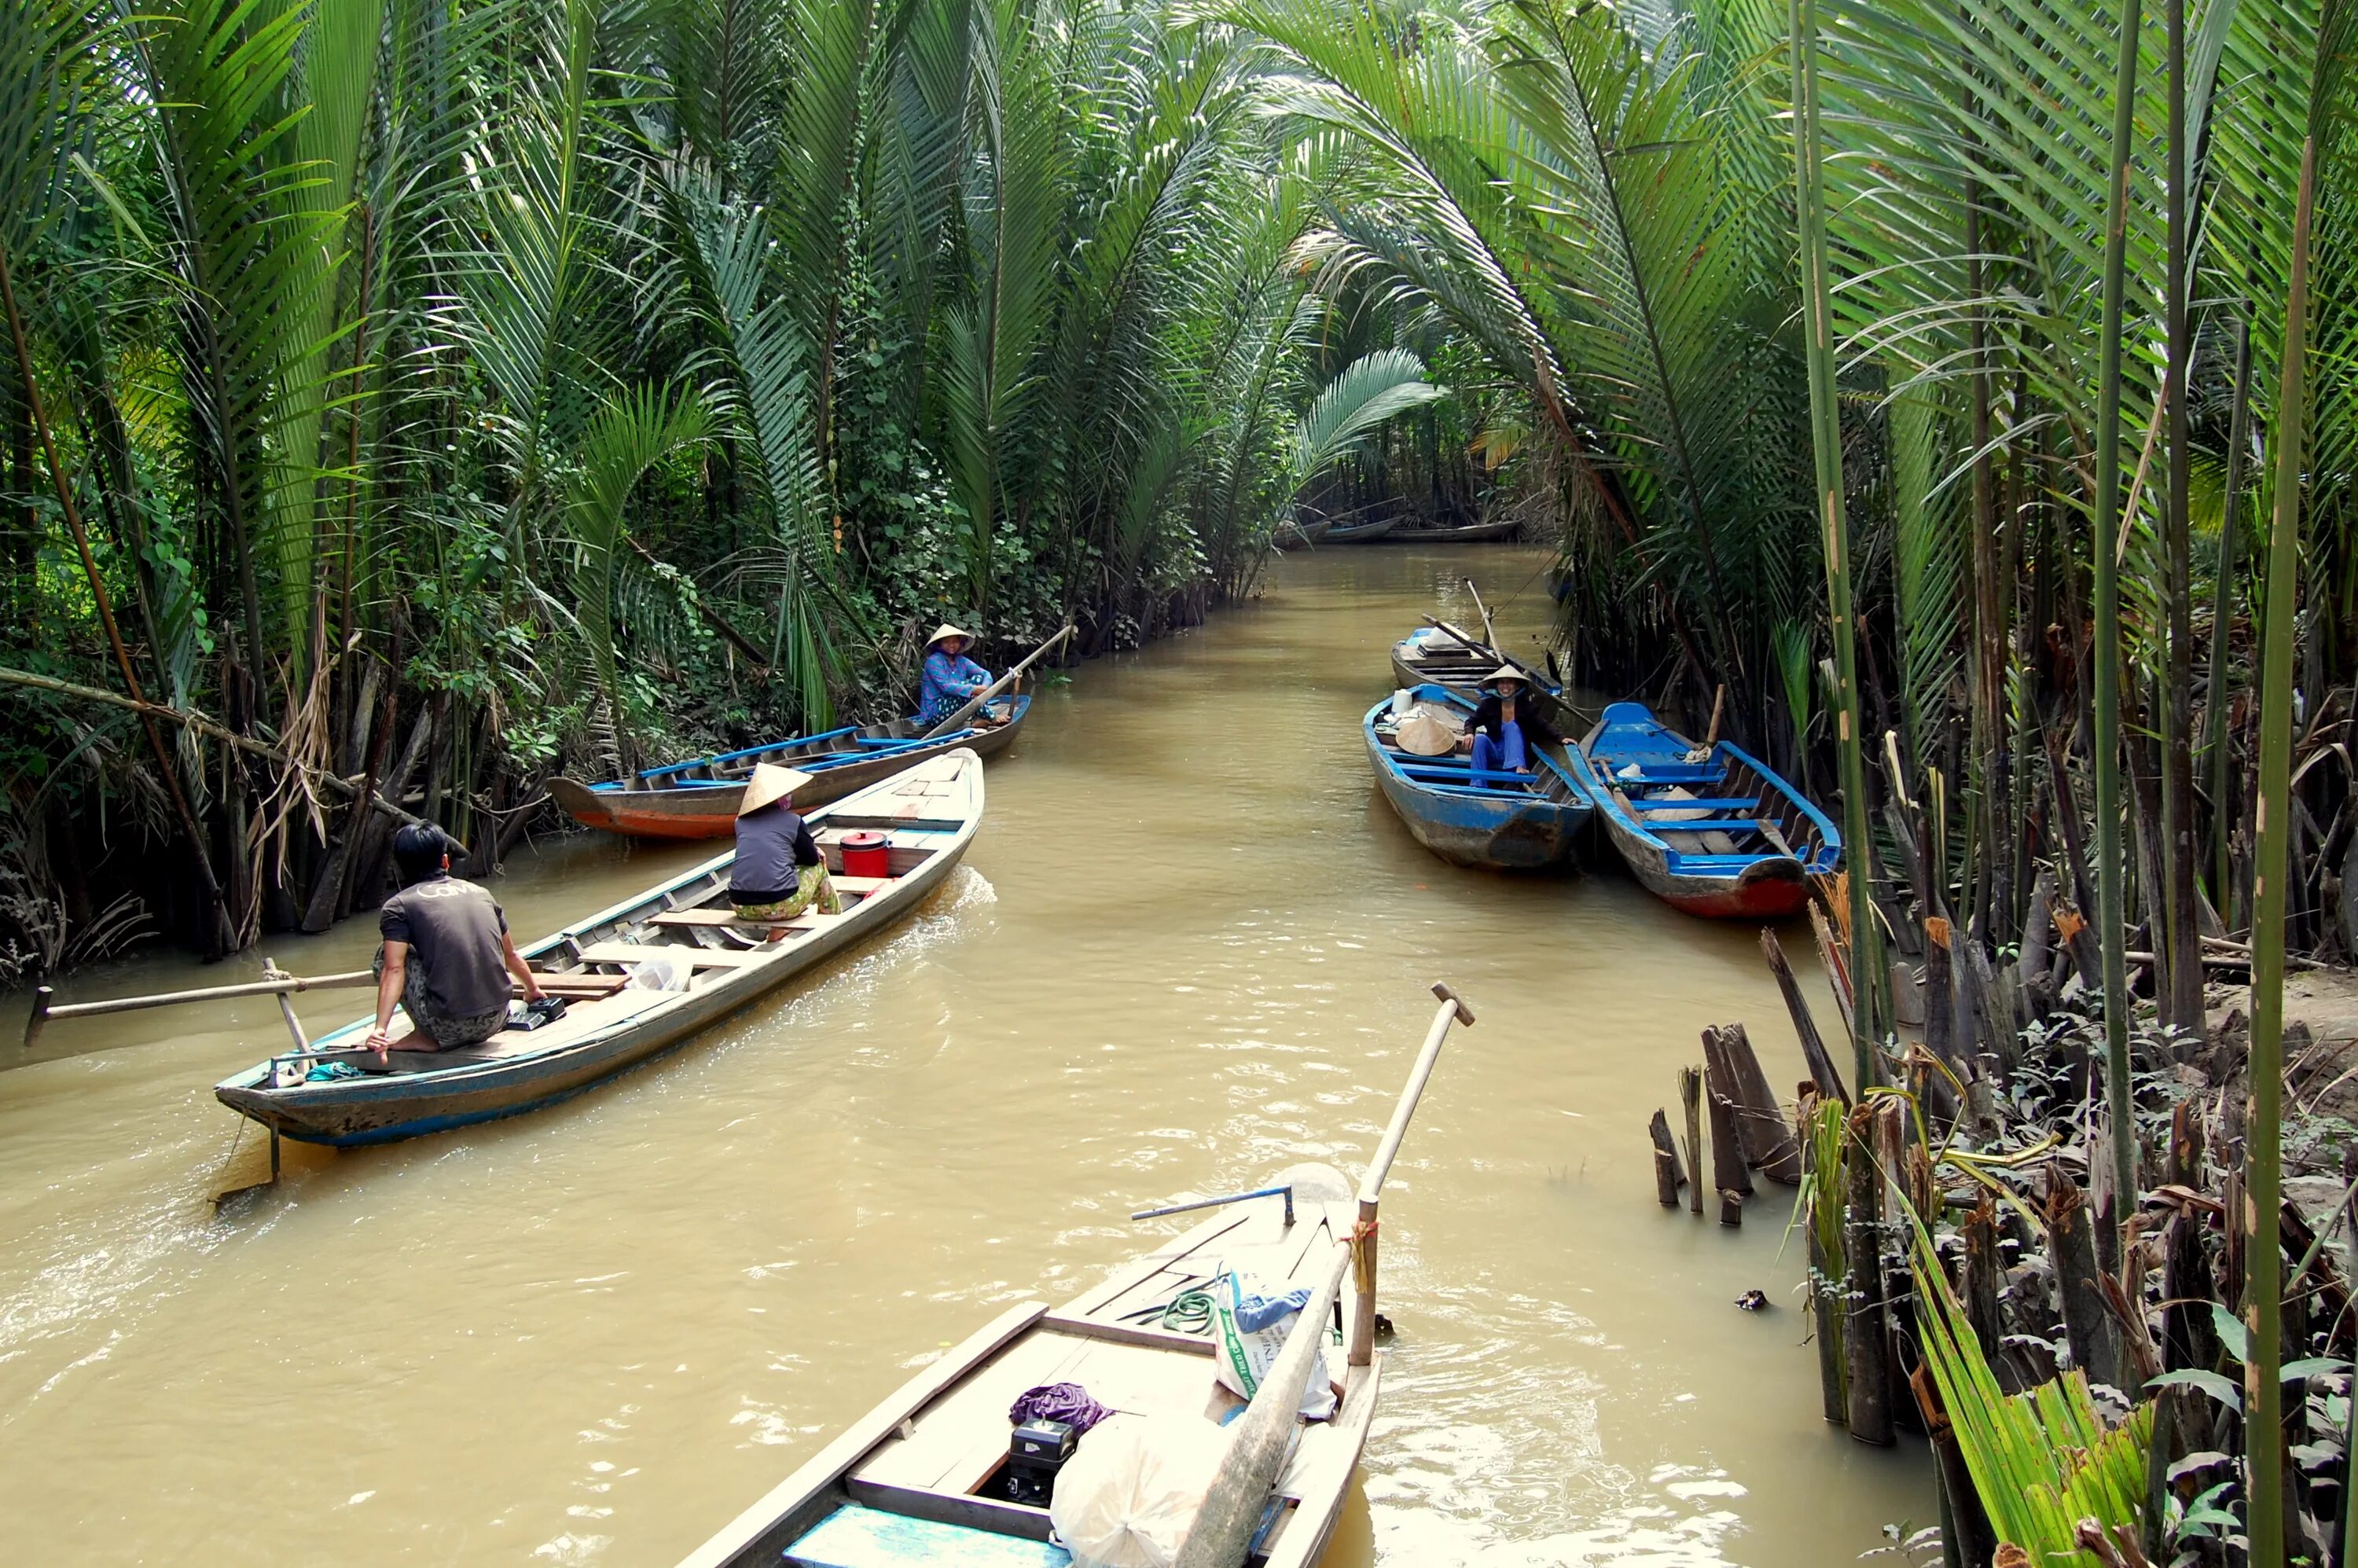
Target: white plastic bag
(1126, 1497)
(1243, 1356)
(659, 971)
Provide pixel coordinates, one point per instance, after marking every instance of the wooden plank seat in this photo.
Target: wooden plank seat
(575, 987)
(697, 957)
(1699, 803)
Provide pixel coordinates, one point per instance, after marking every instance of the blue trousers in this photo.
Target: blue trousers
(1490, 756)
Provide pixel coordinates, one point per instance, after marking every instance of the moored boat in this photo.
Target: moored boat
(698, 799)
(1360, 533)
(927, 815)
(1499, 821)
(1710, 831)
(939, 1473)
(1442, 655)
(1300, 533)
(1466, 534)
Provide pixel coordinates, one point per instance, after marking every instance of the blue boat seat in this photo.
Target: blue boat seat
(857, 1537)
(1724, 803)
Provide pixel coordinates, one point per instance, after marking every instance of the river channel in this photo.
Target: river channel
(1190, 946)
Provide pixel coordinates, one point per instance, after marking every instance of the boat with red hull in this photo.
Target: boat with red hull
(1710, 831)
(698, 799)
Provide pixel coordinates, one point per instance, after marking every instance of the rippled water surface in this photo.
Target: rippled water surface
(1189, 946)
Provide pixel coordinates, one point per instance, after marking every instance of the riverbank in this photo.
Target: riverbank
(1188, 945)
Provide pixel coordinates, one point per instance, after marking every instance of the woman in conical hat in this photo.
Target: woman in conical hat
(1504, 729)
(951, 680)
(780, 871)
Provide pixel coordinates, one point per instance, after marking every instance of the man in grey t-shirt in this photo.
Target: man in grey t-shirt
(447, 955)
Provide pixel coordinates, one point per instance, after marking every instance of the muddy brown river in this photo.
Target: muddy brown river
(1189, 946)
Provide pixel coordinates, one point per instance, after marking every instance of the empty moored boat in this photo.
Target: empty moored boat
(1300, 533)
(1360, 533)
(1442, 654)
(1465, 534)
(1712, 831)
(698, 799)
(1499, 821)
(939, 1473)
(925, 816)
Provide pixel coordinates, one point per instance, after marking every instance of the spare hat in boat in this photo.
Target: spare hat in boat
(947, 630)
(769, 784)
(1507, 671)
(1425, 733)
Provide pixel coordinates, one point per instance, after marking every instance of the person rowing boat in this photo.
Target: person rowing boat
(448, 957)
(951, 680)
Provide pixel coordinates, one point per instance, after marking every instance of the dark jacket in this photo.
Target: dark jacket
(1489, 717)
(773, 845)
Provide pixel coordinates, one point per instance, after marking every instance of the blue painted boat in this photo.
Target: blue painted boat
(1500, 821)
(1442, 654)
(698, 799)
(928, 813)
(1715, 831)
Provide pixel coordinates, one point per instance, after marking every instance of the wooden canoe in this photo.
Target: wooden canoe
(929, 813)
(1469, 534)
(1300, 535)
(910, 1482)
(1723, 837)
(1432, 655)
(1360, 533)
(698, 799)
(1498, 821)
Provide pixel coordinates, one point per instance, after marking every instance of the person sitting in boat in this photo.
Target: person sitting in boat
(447, 959)
(1504, 728)
(951, 680)
(780, 871)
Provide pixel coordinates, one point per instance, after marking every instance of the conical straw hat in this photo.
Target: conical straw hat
(947, 630)
(770, 785)
(1507, 671)
(1422, 734)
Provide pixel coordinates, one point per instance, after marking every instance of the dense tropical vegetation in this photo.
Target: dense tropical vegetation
(405, 398)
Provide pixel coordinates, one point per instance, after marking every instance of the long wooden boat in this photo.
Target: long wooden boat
(929, 813)
(1469, 534)
(1301, 533)
(920, 1478)
(1462, 662)
(698, 799)
(1499, 821)
(1360, 533)
(1714, 832)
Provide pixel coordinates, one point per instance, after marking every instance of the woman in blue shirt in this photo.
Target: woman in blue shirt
(951, 680)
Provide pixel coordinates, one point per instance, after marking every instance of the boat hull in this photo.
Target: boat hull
(709, 811)
(1506, 829)
(1472, 533)
(1769, 890)
(1463, 676)
(483, 1086)
(1360, 533)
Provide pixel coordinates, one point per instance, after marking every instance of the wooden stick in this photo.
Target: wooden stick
(1690, 1096)
(1223, 1530)
(1667, 1178)
(1537, 679)
(957, 721)
(1490, 632)
(1813, 1046)
(1371, 1187)
(1728, 1171)
(44, 1010)
(1718, 707)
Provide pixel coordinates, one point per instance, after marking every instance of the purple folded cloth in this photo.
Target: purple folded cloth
(1067, 1402)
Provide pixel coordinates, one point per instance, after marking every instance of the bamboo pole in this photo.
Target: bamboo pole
(1371, 1186)
(2121, 1110)
(274, 983)
(1872, 982)
(2223, 618)
(2181, 986)
(2263, 1394)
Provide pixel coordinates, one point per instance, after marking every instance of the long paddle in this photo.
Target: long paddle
(1490, 632)
(1538, 680)
(1223, 1530)
(957, 721)
(276, 984)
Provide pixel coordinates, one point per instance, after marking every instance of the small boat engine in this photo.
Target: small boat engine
(1035, 1451)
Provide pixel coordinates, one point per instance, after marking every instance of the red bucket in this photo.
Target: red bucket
(867, 854)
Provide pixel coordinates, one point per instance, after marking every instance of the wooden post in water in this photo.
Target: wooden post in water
(1667, 1177)
(1363, 1237)
(1690, 1096)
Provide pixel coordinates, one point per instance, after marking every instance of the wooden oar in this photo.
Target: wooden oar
(957, 721)
(1222, 1533)
(44, 1011)
(1490, 632)
(1536, 678)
